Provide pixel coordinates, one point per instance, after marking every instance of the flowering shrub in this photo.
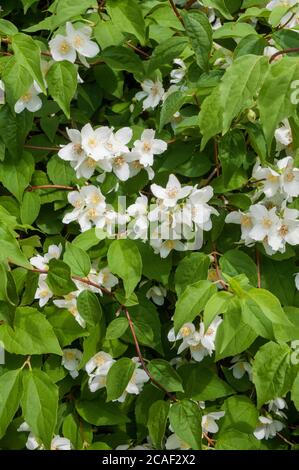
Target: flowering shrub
(149, 224)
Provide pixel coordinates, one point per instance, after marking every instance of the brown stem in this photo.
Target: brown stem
(80, 279)
(223, 283)
(287, 22)
(285, 439)
(176, 11)
(284, 51)
(210, 177)
(152, 379)
(140, 51)
(38, 147)
(189, 4)
(51, 186)
(258, 267)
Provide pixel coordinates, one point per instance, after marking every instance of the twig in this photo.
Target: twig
(27, 363)
(221, 281)
(283, 51)
(78, 278)
(140, 51)
(211, 442)
(176, 11)
(287, 22)
(152, 379)
(258, 267)
(51, 186)
(285, 439)
(38, 147)
(189, 4)
(210, 177)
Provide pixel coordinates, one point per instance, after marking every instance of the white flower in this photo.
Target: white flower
(80, 40)
(148, 146)
(106, 278)
(288, 21)
(120, 166)
(277, 405)
(200, 211)
(177, 74)
(60, 443)
(152, 92)
(43, 292)
(268, 428)
(117, 142)
(73, 152)
(265, 224)
(100, 363)
(288, 230)
(172, 193)
(136, 382)
(271, 183)
(246, 222)
(70, 303)
(62, 49)
(30, 100)
(71, 360)
(138, 227)
(290, 176)
(185, 332)
(157, 294)
(41, 262)
(208, 421)
(163, 248)
(174, 442)
(240, 367)
(283, 136)
(32, 442)
(94, 141)
(297, 281)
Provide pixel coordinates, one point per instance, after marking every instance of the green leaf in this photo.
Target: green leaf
(117, 328)
(122, 58)
(171, 105)
(7, 27)
(127, 16)
(192, 268)
(233, 30)
(89, 307)
(185, 420)
(59, 278)
(240, 415)
(118, 377)
(199, 31)
(30, 207)
(99, 413)
(157, 419)
(15, 175)
(39, 405)
(263, 312)
(59, 171)
(10, 395)
(192, 301)
(147, 325)
(27, 53)
(221, 6)
(241, 81)
(235, 262)
(165, 374)
(27, 4)
(62, 84)
(65, 326)
(125, 261)
(276, 100)
(8, 289)
(153, 266)
(236, 440)
(233, 335)
(232, 153)
(31, 334)
(77, 259)
(201, 383)
(216, 305)
(166, 52)
(272, 372)
(86, 240)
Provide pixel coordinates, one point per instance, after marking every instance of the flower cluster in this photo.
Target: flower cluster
(270, 221)
(200, 343)
(107, 151)
(98, 367)
(103, 278)
(176, 219)
(75, 41)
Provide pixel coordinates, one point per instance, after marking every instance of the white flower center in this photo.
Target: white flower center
(172, 192)
(90, 162)
(92, 142)
(185, 331)
(44, 293)
(118, 161)
(27, 97)
(146, 147)
(155, 89)
(92, 213)
(284, 230)
(290, 176)
(246, 221)
(267, 223)
(78, 41)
